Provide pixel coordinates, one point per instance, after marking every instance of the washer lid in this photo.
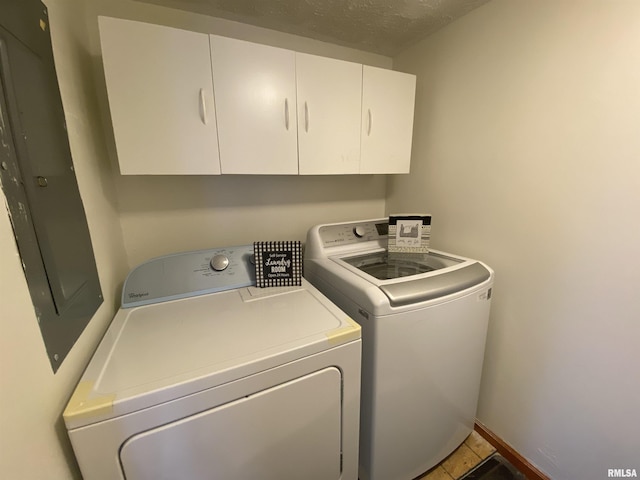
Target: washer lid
(383, 265)
(156, 353)
(436, 286)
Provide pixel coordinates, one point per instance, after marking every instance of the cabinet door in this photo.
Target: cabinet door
(329, 109)
(388, 99)
(255, 93)
(161, 98)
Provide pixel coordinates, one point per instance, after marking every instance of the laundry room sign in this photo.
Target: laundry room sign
(278, 264)
(409, 233)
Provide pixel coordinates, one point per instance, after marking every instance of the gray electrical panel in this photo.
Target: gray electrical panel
(39, 182)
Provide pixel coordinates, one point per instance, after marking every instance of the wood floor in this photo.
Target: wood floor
(473, 451)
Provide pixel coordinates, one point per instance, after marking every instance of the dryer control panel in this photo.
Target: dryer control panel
(189, 274)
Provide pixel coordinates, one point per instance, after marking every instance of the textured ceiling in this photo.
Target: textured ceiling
(379, 26)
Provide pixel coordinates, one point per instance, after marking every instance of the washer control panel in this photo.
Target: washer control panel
(348, 233)
(189, 274)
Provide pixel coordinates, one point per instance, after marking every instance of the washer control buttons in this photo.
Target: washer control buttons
(219, 262)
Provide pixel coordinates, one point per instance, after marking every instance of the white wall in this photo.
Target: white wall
(33, 441)
(161, 215)
(527, 152)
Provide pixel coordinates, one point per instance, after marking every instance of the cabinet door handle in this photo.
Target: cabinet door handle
(203, 107)
(370, 123)
(286, 113)
(306, 117)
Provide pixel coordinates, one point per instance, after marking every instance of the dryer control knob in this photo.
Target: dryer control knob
(219, 262)
(359, 231)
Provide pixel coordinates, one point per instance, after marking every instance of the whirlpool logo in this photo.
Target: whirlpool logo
(138, 295)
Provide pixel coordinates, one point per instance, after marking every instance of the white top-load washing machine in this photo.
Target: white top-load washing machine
(424, 322)
(203, 376)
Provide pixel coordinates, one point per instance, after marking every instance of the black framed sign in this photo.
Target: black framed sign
(278, 264)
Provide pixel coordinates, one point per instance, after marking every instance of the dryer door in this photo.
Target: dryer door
(287, 432)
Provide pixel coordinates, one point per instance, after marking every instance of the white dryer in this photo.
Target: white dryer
(201, 376)
(424, 322)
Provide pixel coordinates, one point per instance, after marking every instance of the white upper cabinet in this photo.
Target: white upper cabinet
(161, 98)
(255, 90)
(276, 111)
(329, 110)
(388, 99)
